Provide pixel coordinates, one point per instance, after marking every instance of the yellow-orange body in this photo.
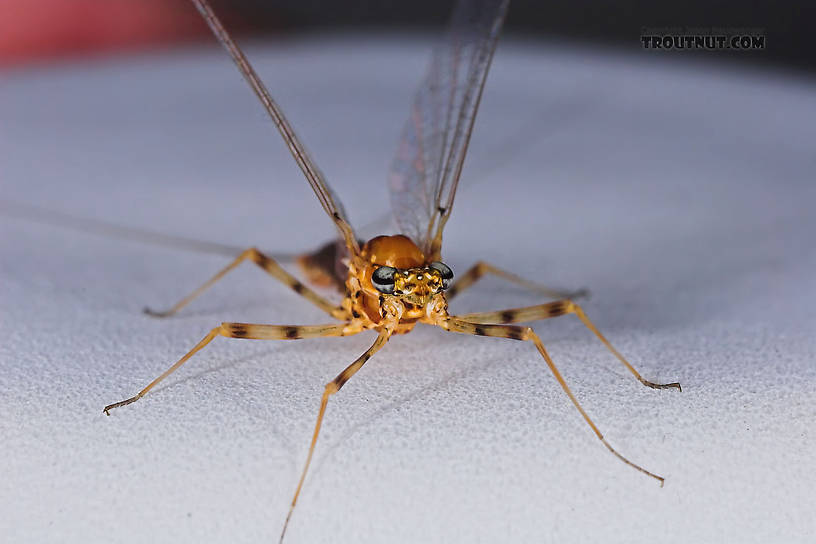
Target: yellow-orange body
(423, 299)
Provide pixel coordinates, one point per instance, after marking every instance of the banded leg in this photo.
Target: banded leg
(274, 270)
(478, 270)
(515, 332)
(251, 331)
(331, 388)
(555, 309)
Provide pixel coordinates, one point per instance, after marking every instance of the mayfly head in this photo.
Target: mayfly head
(417, 285)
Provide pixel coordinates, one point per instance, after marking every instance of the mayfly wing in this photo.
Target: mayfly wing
(426, 169)
(331, 204)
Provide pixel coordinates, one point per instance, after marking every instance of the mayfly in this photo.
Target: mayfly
(391, 283)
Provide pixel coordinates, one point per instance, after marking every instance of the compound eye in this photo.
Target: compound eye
(445, 271)
(383, 279)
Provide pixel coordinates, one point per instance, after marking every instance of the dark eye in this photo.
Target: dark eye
(383, 279)
(445, 271)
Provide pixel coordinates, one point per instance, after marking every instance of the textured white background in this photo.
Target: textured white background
(683, 196)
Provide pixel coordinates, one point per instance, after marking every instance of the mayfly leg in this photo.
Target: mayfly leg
(516, 332)
(250, 331)
(478, 270)
(273, 269)
(555, 309)
(331, 388)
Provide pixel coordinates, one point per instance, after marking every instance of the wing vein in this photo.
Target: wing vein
(328, 200)
(426, 170)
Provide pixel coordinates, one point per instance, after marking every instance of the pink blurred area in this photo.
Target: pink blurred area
(44, 30)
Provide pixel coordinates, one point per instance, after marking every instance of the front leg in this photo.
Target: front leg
(478, 270)
(515, 332)
(250, 331)
(555, 309)
(331, 388)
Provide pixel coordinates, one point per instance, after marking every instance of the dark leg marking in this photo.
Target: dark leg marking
(560, 307)
(261, 260)
(238, 330)
(507, 316)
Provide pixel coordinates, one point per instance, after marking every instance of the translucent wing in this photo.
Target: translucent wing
(428, 163)
(331, 204)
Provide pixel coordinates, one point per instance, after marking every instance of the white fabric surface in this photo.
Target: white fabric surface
(681, 195)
